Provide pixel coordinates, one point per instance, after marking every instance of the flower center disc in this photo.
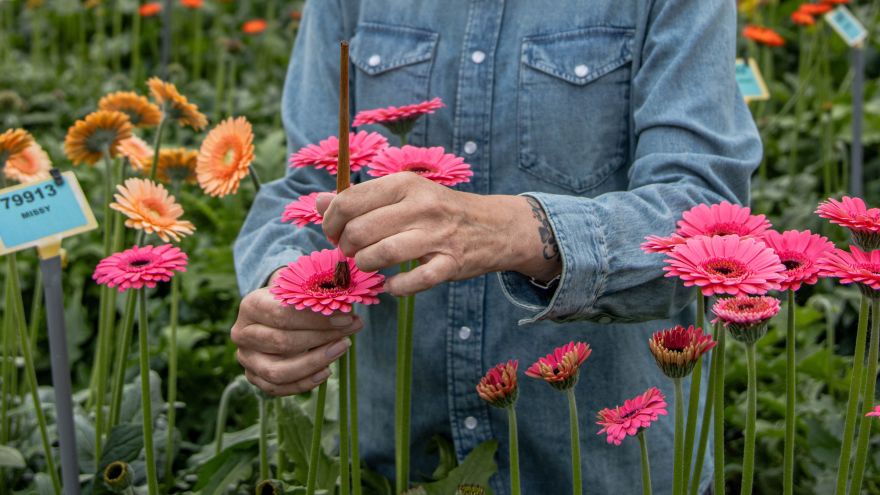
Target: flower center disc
(725, 268)
(419, 168)
(725, 228)
(139, 263)
(323, 284)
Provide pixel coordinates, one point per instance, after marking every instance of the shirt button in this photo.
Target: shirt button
(478, 56)
(470, 422)
(464, 333)
(470, 147)
(581, 70)
(374, 60)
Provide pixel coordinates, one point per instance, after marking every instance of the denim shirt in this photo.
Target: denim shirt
(616, 115)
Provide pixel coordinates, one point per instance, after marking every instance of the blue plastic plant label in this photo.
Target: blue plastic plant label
(847, 26)
(42, 213)
(751, 83)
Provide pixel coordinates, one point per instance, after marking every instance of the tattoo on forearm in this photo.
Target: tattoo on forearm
(551, 248)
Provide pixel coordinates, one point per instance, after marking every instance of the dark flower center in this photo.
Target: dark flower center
(745, 306)
(139, 263)
(419, 168)
(324, 285)
(871, 267)
(727, 268)
(726, 228)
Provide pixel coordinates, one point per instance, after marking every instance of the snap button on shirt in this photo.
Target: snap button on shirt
(374, 60)
(470, 147)
(464, 333)
(581, 70)
(478, 56)
(470, 422)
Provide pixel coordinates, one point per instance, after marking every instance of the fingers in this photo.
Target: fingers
(269, 340)
(378, 224)
(288, 375)
(299, 387)
(437, 270)
(361, 198)
(390, 251)
(260, 306)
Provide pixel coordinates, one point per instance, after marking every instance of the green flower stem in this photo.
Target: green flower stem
(344, 458)
(693, 399)
(117, 32)
(748, 470)
(718, 412)
(402, 397)
(255, 178)
(852, 405)
(513, 450)
(315, 448)
(230, 95)
(122, 358)
(576, 483)
(157, 143)
(8, 361)
(705, 427)
(678, 442)
(17, 309)
(36, 312)
(264, 436)
(280, 420)
(197, 45)
(790, 384)
(223, 413)
(646, 466)
(136, 48)
(355, 437)
(143, 343)
(172, 380)
(868, 394)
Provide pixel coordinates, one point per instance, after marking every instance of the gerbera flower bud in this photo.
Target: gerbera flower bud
(270, 487)
(431, 163)
(140, 111)
(799, 252)
(148, 207)
(12, 142)
(633, 416)
(304, 210)
(398, 120)
(30, 165)
(175, 105)
(855, 266)
(117, 477)
(560, 369)
(678, 349)
(100, 132)
(746, 316)
(225, 157)
(140, 266)
(498, 387)
(852, 213)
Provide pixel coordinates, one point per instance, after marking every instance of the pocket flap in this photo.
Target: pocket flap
(579, 56)
(376, 48)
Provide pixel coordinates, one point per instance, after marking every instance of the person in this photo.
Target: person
(588, 125)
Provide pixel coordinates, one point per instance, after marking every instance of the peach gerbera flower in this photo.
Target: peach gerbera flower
(225, 157)
(498, 387)
(100, 132)
(13, 141)
(150, 208)
(177, 165)
(137, 152)
(140, 266)
(560, 369)
(30, 165)
(632, 417)
(140, 111)
(175, 105)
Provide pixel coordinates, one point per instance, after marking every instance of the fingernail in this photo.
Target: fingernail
(341, 320)
(321, 375)
(338, 349)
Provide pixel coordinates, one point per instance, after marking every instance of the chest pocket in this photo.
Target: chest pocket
(394, 67)
(573, 104)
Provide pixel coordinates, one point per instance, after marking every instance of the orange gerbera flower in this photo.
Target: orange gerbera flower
(802, 18)
(100, 132)
(150, 208)
(175, 105)
(30, 165)
(254, 26)
(140, 111)
(13, 141)
(192, 4)
(296, 15)
(225, 157)
(816, 8)
(177, 165)
(137, 151)
(150, 9)
(763, 35)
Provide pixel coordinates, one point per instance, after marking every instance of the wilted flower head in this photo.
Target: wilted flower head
(140, 111)
(140, 266)
(633, 416)
(799, 251)
(431, 163)
(854, 267)
(498, 387)
(560, 369)
(746, 316)
(225, 157)
(398, 120)
(100, 132)
(852, 213)
(678, 349)
(363, 148)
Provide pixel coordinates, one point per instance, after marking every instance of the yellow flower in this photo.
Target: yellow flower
(225, 157)
(140, 111)
(150, 208)
(175, 105)
(100, 132)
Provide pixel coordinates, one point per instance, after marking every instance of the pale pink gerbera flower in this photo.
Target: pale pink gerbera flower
(363, 147)
(677, 350)
(726, 265)
(560, 369)
(852, 213)
(746, 316)
(498, 387)
(431, 163)
(309, 282)
(30, 165)
(140, 266)
(721, 219)
(657, 244)
(398, 120)
(138, 153)
(633, 416)
(798, 251)
(304, 210)
(854, 267)
(874, 412)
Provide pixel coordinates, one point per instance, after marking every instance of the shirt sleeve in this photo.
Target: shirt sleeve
(309, 113)
(696, 143)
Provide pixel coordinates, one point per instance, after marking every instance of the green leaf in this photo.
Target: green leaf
(297, 434)
(124, 443)
(476, 469)
(10, 457)
(232, 466)
(446, 452)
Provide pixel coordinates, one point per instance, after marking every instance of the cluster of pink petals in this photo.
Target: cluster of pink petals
(308, 282)
(745, 310)
(721, 219)
(855, 266)
(394, 114)
(658, 244)
(561, 367)
(799, 251)
(431, 163)
(677, 350)
(363, 147)
(726, 265)
(851, 213)
(140, 266)
(498, 387)
(303, 211)
(634, 415)
(874, 412)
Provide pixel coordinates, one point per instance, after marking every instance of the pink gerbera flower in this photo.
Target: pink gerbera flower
(363, 147)
(874, 412)
(852, 213)
(855, 266)
(746, 316)
(633, 416)
(398, 120)
(309, 282)
(304, 210)
(498, 387)
(726, 265)
(431, 163)
(799, 252)
(721, 219)
(657, 244)
(140, 266)
(677, 350)
(560, 369)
